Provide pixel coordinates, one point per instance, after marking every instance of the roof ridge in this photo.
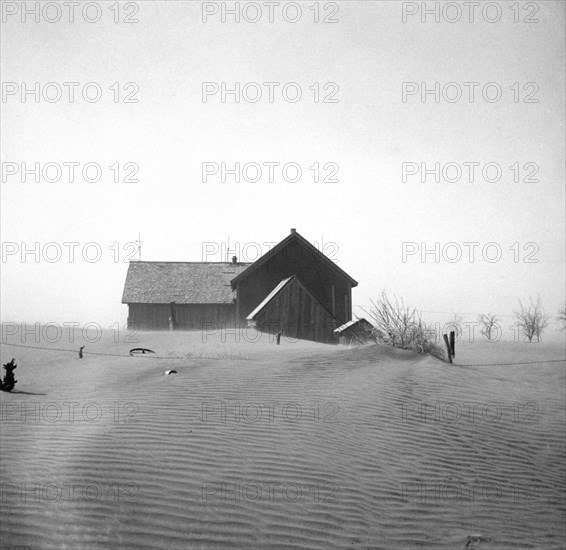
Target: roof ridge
(281, 245)
(182, 262)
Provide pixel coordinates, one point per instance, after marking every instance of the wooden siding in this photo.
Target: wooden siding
(360, 331)
(314, 273)
(297, 314)
(187, 316)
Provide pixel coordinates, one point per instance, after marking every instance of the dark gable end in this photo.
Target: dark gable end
(279, 289)
(295, 256)
(288, 242)
(290, 308)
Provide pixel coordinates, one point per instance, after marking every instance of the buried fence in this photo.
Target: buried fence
(151, 355)
(190, 356)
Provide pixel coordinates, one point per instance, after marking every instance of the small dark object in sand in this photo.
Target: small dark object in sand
(140, 351)
(81, 352)
(172, 371)
(476, 540)
(9, 382)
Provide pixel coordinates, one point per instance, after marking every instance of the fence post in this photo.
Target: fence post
(453, 343)
(448, 348)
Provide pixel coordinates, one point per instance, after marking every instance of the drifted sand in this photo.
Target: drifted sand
(294, 446)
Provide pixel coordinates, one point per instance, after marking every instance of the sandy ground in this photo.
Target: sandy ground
(258, 446)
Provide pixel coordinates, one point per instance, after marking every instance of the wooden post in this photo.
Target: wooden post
(448, 348)
(453, 343)
(279, 337)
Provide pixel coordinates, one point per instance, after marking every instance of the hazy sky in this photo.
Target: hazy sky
(368, 133)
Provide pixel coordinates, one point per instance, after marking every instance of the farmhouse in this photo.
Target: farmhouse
(294, 288)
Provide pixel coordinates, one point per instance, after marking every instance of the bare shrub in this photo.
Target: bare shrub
(489, 322)
(532, 319)
(402, 326)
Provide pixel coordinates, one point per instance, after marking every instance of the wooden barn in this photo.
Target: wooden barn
(293, 288)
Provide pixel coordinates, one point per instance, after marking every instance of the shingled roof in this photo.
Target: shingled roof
(180, 282)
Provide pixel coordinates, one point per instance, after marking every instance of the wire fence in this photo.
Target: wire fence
(189, 356)
(143, 355)
(505, 364)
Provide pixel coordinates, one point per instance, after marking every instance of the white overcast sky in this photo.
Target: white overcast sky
(368, 133)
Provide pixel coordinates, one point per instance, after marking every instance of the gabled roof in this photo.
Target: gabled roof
(363, 323)
(277, 290)
(293, 236)
(180, 282)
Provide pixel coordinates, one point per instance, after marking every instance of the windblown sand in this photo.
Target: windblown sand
(258, 446)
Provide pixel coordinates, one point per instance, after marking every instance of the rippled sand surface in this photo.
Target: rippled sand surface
(301, 445)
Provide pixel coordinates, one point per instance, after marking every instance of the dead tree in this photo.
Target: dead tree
(489, 322)
(532, 319)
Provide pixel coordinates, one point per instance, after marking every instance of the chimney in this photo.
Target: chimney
(234, 259)
(293, 230)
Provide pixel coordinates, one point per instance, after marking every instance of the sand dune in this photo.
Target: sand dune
(295, 446)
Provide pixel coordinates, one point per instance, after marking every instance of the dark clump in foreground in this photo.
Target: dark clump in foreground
(9, 381)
